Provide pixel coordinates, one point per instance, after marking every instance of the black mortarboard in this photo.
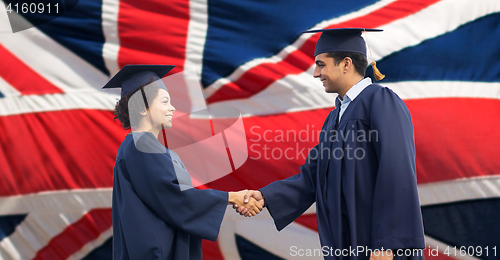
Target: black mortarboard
(344, 39)
(341, 39)
(132, 76)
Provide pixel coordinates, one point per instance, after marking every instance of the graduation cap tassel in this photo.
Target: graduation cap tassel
(378, 76)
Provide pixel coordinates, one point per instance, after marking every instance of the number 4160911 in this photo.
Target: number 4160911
(470, 251)
(33, 8)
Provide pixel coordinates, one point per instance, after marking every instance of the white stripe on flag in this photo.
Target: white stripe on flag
(415, 28)
(445, 89)
(290, 48)
(7, 90)
(226, 239)
(195, 45)
(294, 92)
(110, 29)
(438, 19)
(279, 243)
(85, 250)
(197, 33)
(459, 190)
(49, 214)
(91, 99)
(275, 242)
(302, 92)
(35, 232)
(56, 201)
(54, 62)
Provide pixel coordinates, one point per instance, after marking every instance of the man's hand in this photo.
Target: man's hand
(251, 205)
(250, 194)
(382, 255)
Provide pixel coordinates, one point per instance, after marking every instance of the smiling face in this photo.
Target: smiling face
(331, 75)
(161, 109)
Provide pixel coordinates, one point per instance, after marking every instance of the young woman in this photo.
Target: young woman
(157, 214)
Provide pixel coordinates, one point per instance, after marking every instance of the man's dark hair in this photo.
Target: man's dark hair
(358, 60)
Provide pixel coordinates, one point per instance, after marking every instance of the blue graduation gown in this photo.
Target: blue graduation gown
(367, 197)
(153, 218)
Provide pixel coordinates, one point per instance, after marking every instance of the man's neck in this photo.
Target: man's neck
(350, 83)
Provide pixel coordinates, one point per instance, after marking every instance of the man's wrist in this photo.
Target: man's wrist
(265, 203)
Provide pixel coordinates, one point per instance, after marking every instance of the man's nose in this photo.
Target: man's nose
(317, 72)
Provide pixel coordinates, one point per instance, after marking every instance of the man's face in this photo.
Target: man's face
(330, 74)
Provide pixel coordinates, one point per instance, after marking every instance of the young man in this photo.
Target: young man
(362, 172)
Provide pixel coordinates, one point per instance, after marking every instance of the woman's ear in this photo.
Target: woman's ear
(144, 112)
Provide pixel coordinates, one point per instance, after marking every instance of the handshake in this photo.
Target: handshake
(247, 202)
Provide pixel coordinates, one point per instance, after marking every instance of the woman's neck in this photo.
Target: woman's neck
(155, 130)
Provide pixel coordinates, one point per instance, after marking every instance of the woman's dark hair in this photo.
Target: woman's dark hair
(358, 60)
(124, 108)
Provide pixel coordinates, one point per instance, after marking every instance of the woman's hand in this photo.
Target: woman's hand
(256, 194)
(237, 199)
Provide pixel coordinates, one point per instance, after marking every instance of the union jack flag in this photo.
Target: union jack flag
(58, 139)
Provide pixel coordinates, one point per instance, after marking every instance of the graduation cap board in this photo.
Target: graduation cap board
(132, 76)
(344, 39)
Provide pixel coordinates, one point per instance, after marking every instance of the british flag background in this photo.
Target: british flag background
(58, 140)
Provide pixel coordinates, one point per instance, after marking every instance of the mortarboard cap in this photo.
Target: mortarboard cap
(344, 39)
(132, 76)
(341, 39)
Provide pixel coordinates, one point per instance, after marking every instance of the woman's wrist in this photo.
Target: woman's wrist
(230, 198)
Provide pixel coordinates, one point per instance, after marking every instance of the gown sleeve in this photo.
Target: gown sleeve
(396, 217)
(154, 179)
(287, 199)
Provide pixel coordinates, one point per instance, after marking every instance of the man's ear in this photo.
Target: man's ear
(347, 64)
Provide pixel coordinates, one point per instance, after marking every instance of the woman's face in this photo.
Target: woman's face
(161, 109)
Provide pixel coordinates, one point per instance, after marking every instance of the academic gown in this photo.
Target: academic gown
(156, 215)
(368, 198)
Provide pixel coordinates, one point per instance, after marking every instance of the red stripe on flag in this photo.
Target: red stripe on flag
(440, 256)
(211, 250)
(22, 77)
(58, 150)
(77, 148)
(261, 76)
(449, 144)
(76, 235)
(153, 32)
(309, 221)
(270, 127)
(455, 137)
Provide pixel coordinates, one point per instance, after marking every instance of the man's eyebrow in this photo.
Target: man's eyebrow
(319, 62)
